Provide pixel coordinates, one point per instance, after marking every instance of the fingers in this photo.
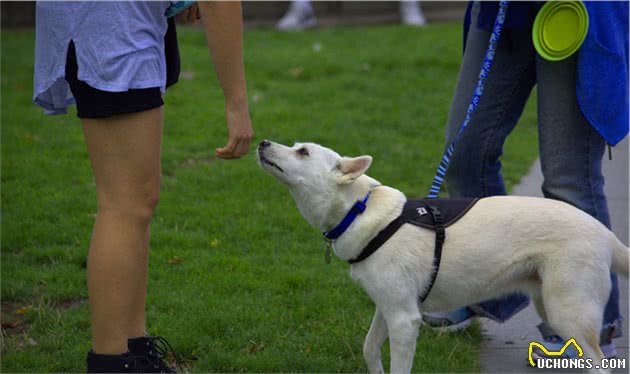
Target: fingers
(182, 16)
(242, 148)
(188, 15)
(227, 152)
(230, 152)
(235, 148)
(193, 13)
(240, 132)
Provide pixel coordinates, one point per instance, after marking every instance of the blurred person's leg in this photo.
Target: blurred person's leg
(300, 16)
(411, 13)
(475, 168)
(571, 152)
(125, 154)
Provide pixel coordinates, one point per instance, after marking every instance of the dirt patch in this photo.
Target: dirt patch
(70, 303)
(12, 317)
(170, 169)
(14, 314)
(193, 161)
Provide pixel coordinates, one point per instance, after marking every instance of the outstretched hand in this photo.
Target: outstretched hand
(240, 133)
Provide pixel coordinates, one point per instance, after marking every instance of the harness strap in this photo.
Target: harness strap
(379, 240)
(440, 237)
(389, 230)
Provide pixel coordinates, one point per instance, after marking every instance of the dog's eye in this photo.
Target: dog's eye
(302, 151)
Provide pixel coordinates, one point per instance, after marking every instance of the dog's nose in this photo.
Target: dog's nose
(264, 144)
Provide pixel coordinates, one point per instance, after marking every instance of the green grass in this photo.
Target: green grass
(252, 292)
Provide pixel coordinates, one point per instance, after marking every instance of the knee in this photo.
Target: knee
(567, 186)
(456, 182)
(467, 173)
(404, 328)
(137, 202)
(144, 208)
(583, 195)
(463, 179)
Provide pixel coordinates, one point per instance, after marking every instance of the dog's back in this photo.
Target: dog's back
(504, 244)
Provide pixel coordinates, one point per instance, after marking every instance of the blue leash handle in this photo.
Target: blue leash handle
(485, 70)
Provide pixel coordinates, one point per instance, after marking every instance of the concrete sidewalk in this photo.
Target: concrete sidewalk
(505, 347)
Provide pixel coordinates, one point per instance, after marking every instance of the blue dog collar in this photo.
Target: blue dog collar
(357, 208)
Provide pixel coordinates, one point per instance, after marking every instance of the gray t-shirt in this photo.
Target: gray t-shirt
(119, 46)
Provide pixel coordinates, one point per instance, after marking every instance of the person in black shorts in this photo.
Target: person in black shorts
(123, 134)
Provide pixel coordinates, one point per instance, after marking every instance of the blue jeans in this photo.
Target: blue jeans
(570, 149)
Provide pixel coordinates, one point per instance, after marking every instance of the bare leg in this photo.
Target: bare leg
(373, 343)
(125, 155)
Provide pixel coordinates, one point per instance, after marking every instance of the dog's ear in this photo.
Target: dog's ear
(352, 168)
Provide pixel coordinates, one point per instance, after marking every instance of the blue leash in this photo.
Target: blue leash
(485, 70)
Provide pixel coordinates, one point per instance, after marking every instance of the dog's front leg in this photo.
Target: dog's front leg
(403, 327)
(373, 343)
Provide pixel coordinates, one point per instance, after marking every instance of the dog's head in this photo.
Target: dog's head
(323, 183)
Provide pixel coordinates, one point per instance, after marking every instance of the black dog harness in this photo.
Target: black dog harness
(435, 214)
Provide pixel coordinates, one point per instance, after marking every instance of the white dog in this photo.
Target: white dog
(558, 255)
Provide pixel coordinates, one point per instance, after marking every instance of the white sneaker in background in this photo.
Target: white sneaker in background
(411, 14)
(300, 16)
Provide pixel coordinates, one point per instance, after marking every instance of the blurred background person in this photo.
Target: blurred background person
(301, 15)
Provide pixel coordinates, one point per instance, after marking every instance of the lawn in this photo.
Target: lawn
(238, 281)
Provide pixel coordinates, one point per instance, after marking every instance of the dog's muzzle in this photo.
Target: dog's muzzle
(261, 155)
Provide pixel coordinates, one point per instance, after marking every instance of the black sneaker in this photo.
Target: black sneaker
(124, 363)
(150, 352)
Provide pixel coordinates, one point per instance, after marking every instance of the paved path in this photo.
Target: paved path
(505, 348)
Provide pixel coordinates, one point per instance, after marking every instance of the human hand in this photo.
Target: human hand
(188, 15)
(240, 132)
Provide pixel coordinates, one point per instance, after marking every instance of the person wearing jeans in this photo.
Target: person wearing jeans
(570, 146)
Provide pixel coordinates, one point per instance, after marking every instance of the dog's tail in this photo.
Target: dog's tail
(620, 257)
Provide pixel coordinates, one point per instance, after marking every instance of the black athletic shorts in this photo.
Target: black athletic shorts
(94, 103)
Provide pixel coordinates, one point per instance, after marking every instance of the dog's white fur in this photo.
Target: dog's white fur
(555, 253)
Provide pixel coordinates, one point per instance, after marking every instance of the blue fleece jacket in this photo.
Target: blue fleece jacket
(602, 60)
